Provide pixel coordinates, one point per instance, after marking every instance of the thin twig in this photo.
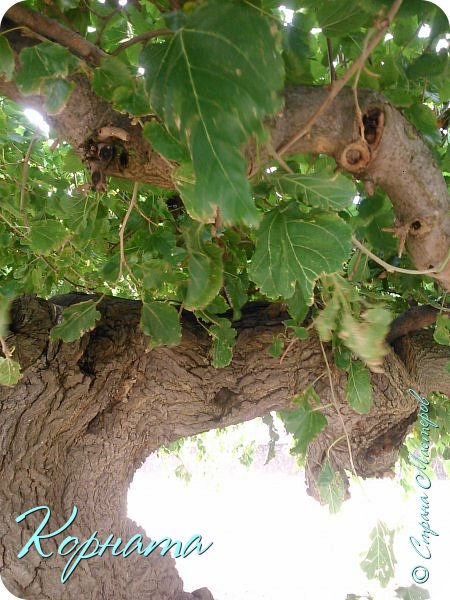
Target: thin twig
(334, 443)
(56, 272)
(6, 351)
(5, 31)
(330, 61)
(143, 37)
(358, 111)
(112, 247)
(93, 11)
(13, 228)
(292, 342)
(336, 406)
(26, 166)
(340, 83)
(288, 347)
(144, 216)
(391, 268)
(123, 260)
(271, 150)
(355, 266)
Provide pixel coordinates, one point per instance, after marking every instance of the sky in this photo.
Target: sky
(270, 539)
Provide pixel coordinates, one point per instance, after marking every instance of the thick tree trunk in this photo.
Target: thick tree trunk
(87, 414)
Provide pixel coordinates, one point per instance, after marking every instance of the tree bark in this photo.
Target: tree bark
(392, 154)
(86, 415)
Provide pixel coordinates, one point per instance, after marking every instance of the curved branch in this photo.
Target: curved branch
(144, 37)
(391, 268)
(414, 319)
(336, 86)
(52, 30)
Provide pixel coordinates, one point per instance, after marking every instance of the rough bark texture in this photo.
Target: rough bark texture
(87, 414)
(392, 154)
(425, 360)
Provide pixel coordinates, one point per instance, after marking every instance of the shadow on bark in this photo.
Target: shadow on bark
(87, 414)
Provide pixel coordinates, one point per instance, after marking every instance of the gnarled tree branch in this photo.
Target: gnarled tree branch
(87, 413)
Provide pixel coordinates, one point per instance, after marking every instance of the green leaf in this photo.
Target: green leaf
(156, 274)
(68, 4)
(442, 330)
(72, 162)
(205, 269)
(366, 338)
(112, 74)
(296, 48)
(9, 372)
(301, 333)
(224, 339)
(297, 306)
(400, 97)
(132, 99)
(358, 267)
(217, 307)
(413, 592)
(57, 92)
(427, 66)
(164, 142)
(182, 473)
(236, 287)
(326, 321)
(331, 487)
(40, 62)
(77, 319)
(359, 388)
(7, 64)
(341, 354)
(110, 270)
(339, 17)
(213, 87)
(380, 240)
(161, 322)
(273, 436)
(445, 161)
(79, 18)
(425, 120)
(319, 190)
(296, 248)
(304, 422)
(5, 306)
(276, 347)
(47, 235)
(73, 209)
(379, 560)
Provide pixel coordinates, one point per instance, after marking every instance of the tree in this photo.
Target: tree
(182, 253)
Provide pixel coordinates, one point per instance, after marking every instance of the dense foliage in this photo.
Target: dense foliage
(201, 78)
(201, 88)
